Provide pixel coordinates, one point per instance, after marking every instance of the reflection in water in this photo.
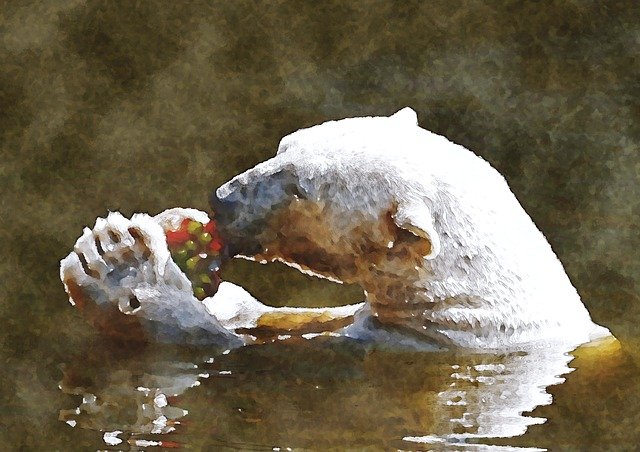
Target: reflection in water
(315, 394)
(488, 399)
(129, 398)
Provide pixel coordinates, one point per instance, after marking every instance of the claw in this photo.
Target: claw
(86, 249)
(154, 237)
(119, 225)
(123, 280)
(129, 305)
(100, 231)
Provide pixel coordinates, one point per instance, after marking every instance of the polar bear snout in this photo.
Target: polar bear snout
(269, 215)
(237, 228)
(245, 209)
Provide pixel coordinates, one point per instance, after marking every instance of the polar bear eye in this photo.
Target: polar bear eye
(294, 190)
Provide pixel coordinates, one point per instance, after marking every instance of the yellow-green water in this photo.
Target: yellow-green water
(141, 106)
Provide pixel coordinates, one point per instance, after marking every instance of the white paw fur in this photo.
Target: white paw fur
(123, 267)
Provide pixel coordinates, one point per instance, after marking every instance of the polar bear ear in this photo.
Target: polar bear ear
(406, 116)
(417, 219)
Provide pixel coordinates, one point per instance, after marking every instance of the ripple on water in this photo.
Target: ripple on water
(319, 393)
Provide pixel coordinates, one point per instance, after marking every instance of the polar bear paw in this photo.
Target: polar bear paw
(122, 278)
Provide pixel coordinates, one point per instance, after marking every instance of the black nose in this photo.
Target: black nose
(224, 218)
(222, 211)
(238, 229)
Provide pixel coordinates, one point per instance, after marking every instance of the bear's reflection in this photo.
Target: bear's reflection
(128, 394)
(325, 392)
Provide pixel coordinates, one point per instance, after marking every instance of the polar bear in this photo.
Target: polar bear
(428, 229)
(432, 233)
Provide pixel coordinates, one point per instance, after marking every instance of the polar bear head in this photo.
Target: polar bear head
(328, 202)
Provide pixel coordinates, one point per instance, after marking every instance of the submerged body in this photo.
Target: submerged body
(431, 232)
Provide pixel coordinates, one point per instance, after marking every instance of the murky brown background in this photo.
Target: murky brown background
(141, 106)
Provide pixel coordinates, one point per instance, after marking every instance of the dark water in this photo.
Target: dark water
(141, 106)
(324, 394)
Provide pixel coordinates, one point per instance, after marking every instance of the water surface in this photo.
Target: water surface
(332, 393)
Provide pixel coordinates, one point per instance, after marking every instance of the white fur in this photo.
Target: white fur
(489, 266)
(119, 270)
